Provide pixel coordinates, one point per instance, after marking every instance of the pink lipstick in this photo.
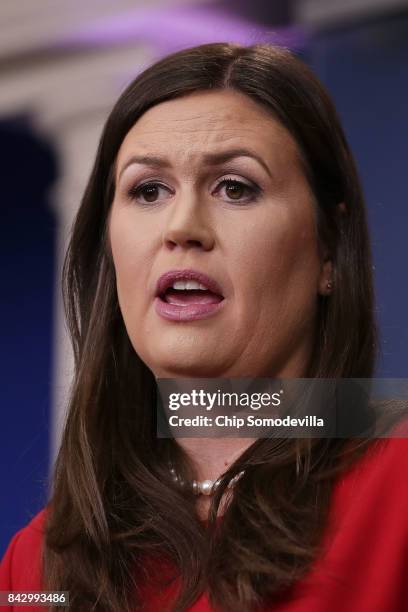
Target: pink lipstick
(187, 295)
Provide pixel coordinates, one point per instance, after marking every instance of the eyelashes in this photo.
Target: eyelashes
(236, 191)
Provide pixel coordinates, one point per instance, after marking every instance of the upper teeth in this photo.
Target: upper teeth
(190, 284)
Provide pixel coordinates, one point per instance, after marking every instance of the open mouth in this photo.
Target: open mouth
(185, 297)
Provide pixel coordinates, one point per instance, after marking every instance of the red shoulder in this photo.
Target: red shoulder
(20, 568)
(370, 498)
(363, 560)
(381, 470)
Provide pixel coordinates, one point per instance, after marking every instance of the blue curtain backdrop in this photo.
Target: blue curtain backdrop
(28, 168)
(365, 68)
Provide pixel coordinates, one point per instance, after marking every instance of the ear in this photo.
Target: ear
(326, 276)
(325, 284)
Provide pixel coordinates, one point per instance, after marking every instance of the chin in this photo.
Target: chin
(185, 369)
(181, 355)
(186, 365)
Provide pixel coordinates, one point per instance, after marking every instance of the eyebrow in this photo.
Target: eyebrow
(210, 159)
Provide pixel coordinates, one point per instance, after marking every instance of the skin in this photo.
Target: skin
(262, 249)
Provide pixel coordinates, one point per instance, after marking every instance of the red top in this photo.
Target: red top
(364, 568)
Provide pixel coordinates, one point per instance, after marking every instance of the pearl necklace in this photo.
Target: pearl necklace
(203, 487)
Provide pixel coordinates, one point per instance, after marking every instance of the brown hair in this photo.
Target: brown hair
(113, 505)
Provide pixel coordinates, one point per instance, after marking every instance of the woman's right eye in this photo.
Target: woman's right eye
(147, 193)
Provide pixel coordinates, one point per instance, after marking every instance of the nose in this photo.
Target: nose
(187, 227)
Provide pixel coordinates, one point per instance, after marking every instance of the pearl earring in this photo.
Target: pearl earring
(329, 285)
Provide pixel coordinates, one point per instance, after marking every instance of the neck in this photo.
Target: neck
(213, 456)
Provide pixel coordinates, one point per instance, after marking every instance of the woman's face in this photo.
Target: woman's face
(212, 183)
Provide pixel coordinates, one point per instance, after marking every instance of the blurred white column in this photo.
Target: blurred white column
(75, 119)
(69, 99)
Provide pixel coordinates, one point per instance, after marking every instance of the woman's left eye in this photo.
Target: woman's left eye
(236, 190)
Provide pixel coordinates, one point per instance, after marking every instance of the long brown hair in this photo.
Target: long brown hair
(113, 505)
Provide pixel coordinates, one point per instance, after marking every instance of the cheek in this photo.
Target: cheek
(129, 258)
(279, 260)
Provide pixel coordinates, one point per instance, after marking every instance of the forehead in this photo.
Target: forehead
(188, 127)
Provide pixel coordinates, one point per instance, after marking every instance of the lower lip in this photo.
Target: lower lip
(192, 312)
